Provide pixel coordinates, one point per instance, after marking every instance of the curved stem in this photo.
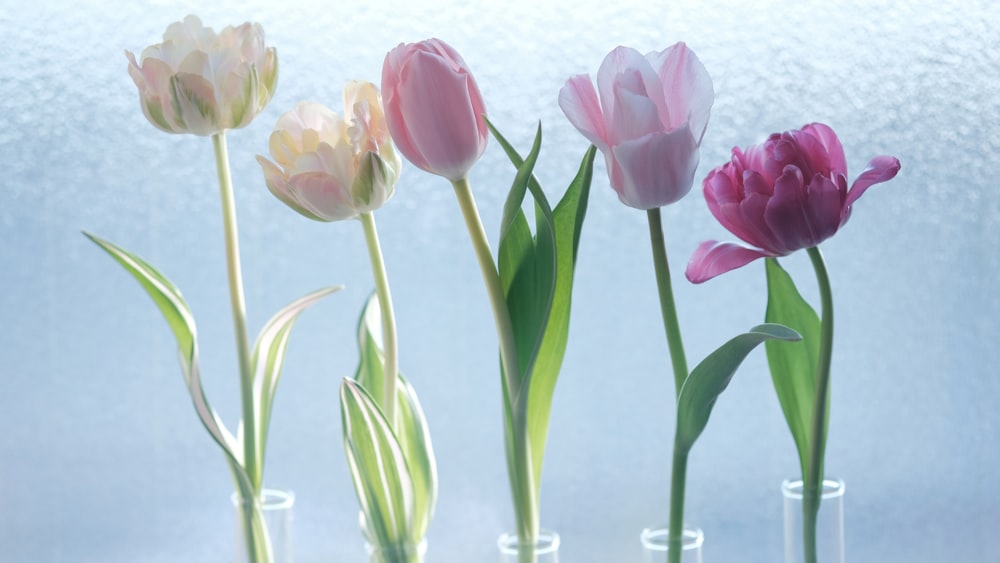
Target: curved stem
(526, 507)
(250, 454)
(391, 349)
(667, 306)
(812, 481)
(494, 288)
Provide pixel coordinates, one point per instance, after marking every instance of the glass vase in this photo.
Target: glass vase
(268, 521)
(545, 550)
(655, 545)
(829, 523)
(406, 553)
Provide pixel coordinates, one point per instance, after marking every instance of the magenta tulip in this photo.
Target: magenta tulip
(787, 194)
(433, 107)
(648, 123)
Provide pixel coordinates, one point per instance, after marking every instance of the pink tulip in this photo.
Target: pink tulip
(433, 107)
(784, 195)
(648, 123)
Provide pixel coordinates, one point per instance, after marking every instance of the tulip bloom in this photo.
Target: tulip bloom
(434, 108)
(648, 123)
(201, 82)
(787, 194)
(328, 168)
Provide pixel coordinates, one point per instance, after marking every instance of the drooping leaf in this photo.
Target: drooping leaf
(793, 366)
(167, 297)
(267, 360)
(378, 467)
(710, 378)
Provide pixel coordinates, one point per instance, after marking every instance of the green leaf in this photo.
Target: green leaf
(793, 367)
(378, 467)
(178, 315)
(537, 275)
(268, 358)
(410, 428)
(711, 377)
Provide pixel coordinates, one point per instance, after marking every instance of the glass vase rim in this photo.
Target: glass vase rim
(655, 539)
(271, 499)
(548, 542)
(832, 488)
(419, 548)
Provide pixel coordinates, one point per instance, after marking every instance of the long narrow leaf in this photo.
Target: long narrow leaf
(793, 367)
(378, 467)
(410, 427)
(711, 377)
(268, 358)
(176, 312)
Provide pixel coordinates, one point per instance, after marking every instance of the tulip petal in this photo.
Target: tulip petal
(785, 213)
(278, 185)
(713, 258)
(831, 144)
(579, 102)
(880, 169)
(616, 62)
(657, 169)
(687, 88)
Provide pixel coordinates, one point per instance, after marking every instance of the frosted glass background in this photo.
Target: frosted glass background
(103, 460)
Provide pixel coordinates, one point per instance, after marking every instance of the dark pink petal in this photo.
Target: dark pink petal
(880, 169)
(785, 213)
(834, 150)
(713, 258)
(579, 102)
(824, 200)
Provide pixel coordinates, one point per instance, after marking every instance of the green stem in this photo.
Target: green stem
(526, 507)
(812, 481)
(667, 306)
(391, 367)
(677, 480)
(494, 288)
(239, 311)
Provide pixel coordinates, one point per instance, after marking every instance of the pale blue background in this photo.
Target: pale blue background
(102, 459)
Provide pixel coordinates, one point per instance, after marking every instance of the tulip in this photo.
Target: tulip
(648, 123)
(328, 168)
(434, 109)
(787, 194)
(201, 82)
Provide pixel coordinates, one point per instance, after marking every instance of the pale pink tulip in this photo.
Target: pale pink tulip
(433, 107)
(328, 168)
(784, 195)
(648, 123)
(201, 82)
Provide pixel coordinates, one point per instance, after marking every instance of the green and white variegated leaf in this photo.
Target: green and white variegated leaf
(710, 378)
(268, 358)
(793, 368)
(536, 272)
(410, 427)
(175, 310)
(378, 467)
